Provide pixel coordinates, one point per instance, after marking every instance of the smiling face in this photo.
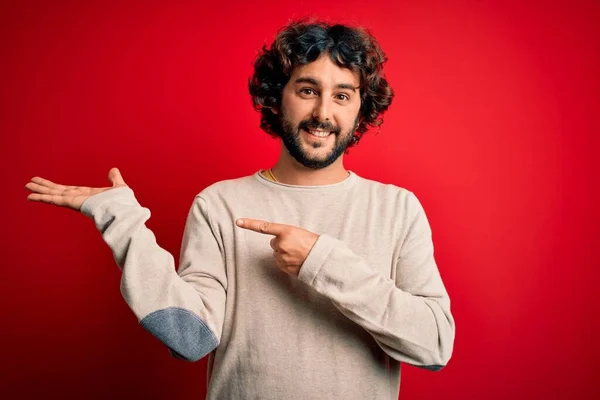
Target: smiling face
(319, 112)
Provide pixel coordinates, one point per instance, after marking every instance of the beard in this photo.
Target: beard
(290, 135)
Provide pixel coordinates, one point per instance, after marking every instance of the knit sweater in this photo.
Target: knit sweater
(369, 295)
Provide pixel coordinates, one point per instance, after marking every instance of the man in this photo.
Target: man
(304, 281)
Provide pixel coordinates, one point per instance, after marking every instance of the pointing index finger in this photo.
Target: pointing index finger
(256, 225)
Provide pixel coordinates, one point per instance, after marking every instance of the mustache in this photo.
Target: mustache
(316, 125)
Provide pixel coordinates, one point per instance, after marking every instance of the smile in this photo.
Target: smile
(319, 133)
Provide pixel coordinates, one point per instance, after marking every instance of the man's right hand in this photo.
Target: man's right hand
(69, 196)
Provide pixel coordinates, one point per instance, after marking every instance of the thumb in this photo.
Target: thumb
(114, 176)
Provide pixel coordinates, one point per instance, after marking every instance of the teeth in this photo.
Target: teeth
(320, 133)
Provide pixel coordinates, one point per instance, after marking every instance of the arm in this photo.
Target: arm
(409, 317)
(183, 309)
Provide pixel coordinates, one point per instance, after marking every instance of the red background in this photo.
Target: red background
(494, 127)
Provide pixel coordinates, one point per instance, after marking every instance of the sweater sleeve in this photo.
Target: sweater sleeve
(409, 316)
(184, 309)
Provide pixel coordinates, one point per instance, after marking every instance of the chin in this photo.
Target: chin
(316, 162)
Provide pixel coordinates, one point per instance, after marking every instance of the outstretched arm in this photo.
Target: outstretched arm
(183, 309)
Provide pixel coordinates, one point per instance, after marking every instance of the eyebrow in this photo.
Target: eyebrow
(313, 81)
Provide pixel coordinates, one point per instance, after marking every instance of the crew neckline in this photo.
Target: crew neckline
(349, 181)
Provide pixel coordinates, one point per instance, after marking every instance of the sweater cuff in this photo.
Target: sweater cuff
(93, 203)
(316, 259)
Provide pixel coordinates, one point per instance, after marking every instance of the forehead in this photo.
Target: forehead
(326, 72)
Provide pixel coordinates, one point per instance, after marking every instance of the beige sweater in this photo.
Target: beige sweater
(369, 295)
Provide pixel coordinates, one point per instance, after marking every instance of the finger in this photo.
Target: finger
(49, 199)
(114, 176)
(37, 188)
(47, 183)
(274, 244)
(256, 225)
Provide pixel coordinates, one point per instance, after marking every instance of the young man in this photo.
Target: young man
(304, 281)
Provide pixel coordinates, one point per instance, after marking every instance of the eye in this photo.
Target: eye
(343, 96)
(308, 91)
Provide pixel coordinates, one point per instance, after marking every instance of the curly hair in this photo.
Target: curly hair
(303, 42)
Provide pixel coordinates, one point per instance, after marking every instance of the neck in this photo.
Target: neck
(291, 172)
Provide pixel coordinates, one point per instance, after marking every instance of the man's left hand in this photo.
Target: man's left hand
(290, 245)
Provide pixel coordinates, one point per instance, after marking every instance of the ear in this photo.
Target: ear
(274, 110)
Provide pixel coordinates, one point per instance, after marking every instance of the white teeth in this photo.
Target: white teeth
(320, 133)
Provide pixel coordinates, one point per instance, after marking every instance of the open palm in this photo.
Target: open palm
(72, 197)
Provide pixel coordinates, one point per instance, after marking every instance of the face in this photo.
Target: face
(319, 112)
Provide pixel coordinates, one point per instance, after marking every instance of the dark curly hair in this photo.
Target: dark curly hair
(302, 42)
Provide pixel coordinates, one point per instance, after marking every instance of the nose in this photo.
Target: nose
(322, 110)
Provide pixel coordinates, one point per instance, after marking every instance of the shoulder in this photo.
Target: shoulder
(384, 190)
(399, 198)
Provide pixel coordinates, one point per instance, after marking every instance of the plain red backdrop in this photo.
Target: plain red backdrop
(494, 127)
